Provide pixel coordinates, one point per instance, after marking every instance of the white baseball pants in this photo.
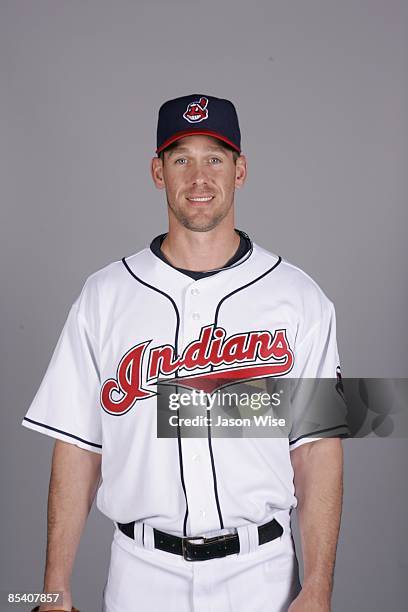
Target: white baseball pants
(259, 579)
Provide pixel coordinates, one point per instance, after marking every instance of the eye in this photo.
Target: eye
(215, 160)
(181, 161)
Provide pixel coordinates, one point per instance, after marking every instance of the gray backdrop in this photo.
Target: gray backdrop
(321, 91)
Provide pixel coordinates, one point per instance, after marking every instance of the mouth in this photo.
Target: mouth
(194, 117)
(200, 199)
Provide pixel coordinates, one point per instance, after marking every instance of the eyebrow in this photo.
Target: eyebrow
(186, 150)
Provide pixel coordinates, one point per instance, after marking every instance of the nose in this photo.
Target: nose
(198, 175)
(199, 180)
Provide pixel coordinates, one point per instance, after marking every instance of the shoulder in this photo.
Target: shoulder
(296, 284)
(101, 286)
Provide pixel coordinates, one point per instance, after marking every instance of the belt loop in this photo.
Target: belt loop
(253, 537)
(138, 534)
(248, 538)
(243, 536)
(148, 537)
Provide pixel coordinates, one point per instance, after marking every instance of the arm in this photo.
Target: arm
(75, 476)
(318, 478)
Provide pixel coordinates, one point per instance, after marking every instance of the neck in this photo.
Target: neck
(200, 251)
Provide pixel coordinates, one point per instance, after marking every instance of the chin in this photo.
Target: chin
(199, 219)
(199, 223)
(199, 228)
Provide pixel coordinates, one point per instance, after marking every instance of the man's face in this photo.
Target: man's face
(200, 177)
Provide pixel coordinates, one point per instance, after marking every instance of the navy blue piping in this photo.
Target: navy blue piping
(318, 431)
(255, 280)
(62, 432)
(180, 450)
(217, 501)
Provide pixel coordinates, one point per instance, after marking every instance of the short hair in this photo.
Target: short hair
(235, 153)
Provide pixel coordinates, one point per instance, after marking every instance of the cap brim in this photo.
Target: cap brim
(200, 132)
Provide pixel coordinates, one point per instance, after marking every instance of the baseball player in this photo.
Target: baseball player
(201, 522)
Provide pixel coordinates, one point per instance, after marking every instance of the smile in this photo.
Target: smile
(194, 117)
(201, 199)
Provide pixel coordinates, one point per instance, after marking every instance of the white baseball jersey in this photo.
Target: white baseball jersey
(140, 319)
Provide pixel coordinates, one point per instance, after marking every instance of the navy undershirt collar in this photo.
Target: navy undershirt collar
(243, 248)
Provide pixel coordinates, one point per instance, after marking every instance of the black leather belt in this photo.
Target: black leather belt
(208, 548)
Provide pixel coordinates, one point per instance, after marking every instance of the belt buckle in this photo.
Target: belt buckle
(187, 540)
(184, 542)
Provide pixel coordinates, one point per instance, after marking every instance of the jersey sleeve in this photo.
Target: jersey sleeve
(318, 405)
(66, 405)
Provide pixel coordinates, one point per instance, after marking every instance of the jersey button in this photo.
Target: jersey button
(195, 291)
(196, 316)
(195, 457)
(202, 512)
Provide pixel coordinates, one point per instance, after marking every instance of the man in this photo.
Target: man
(201, 522)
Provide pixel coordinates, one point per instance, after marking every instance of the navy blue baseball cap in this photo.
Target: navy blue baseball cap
(198, 114)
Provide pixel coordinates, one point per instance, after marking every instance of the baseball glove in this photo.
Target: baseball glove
(56, 609)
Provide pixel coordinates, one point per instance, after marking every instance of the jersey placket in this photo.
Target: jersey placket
(203, 516)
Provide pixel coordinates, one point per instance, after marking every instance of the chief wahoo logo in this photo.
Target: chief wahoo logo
(196, 111)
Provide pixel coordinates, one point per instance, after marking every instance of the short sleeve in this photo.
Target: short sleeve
(66, 405)
(318, 405)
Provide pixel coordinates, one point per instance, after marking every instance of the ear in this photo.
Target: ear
(156, 170)
(241, 171)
